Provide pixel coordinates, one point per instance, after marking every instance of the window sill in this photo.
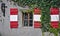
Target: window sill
(28, 27)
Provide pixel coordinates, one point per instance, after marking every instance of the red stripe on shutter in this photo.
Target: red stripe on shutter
(54, 11)
(37, 24)
(13, 24)
(54, 24)
(37, 11)
(13, 11)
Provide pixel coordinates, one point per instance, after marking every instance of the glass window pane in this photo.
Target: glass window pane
(30, 15)
(26, 16)
(25, 22)
(30, 22)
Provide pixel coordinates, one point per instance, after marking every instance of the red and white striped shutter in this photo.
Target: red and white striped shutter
(13, 18)
(54, 17)
(37, 23)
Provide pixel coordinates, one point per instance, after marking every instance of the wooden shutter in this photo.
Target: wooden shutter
(13, 18)
(54, 17)
(37, 16)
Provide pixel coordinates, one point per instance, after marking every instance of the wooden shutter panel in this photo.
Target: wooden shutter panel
(54, 17)
(13, 18)
(37, 16)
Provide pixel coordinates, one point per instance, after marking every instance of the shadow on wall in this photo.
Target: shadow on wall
(0, 34)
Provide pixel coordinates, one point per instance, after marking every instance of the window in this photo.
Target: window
(27, 19)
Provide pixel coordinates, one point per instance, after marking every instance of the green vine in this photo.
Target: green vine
(55, 31)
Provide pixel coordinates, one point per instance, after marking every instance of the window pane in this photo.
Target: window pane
(25, 22)
(30, 15)
(30, 22)
(26, 16)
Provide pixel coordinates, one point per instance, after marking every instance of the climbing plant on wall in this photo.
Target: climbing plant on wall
(36, 2)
